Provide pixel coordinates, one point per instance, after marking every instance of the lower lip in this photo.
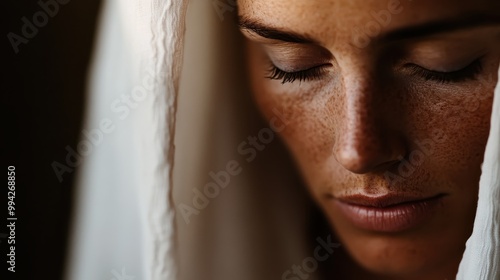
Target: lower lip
(389, 219)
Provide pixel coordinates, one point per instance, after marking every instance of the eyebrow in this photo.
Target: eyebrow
(442, 26)
(427, 29)
(273, 33)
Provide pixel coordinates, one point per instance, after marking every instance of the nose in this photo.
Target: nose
(367, 138)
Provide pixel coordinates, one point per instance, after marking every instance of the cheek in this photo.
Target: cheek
(460, 116)
(457, 123)
(308, 131)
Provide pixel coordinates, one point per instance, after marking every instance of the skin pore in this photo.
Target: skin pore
(365, 87)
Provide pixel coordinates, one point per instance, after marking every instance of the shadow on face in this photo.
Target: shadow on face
(388, 106)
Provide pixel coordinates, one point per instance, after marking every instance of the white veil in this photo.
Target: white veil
(481, 259)
(124, 226)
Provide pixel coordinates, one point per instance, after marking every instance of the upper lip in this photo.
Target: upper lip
(385, 200)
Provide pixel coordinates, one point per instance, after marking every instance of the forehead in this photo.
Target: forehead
(328, 21)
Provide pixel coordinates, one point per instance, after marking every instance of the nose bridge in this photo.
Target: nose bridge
(364, 141)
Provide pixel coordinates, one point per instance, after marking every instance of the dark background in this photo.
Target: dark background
(43, 101)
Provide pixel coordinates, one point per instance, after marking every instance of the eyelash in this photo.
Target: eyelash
(468, 72)
(289, 77)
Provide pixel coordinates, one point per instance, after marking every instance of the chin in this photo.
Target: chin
(397, 258)
(428, 253)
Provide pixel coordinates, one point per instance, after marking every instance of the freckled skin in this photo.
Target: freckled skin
(366, 116)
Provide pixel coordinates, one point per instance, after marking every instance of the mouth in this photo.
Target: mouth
(388, 213)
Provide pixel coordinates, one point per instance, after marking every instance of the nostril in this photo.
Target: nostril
(364, 159)
(352, 160)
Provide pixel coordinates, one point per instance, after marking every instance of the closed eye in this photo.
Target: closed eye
(313, 73)
(469, 72)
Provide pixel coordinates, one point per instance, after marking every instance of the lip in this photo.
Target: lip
(388, 213)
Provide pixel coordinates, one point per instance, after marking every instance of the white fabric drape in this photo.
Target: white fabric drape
(256, 227)
(481, 259)
(124, 222)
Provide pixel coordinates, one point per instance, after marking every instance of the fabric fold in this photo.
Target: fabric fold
(481, 259)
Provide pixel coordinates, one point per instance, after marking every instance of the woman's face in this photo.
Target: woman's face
(386, 106)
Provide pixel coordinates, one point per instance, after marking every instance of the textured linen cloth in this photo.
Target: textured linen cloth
(481, 259)
(124, 226)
